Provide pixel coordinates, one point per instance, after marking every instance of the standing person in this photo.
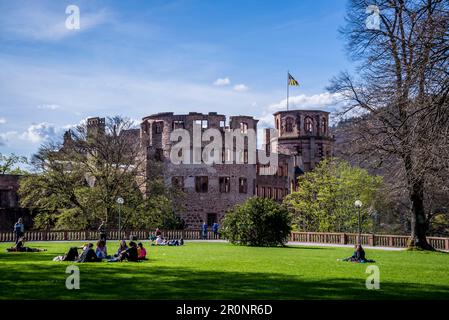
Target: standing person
(19, 229)
(204, 230)
(215, 230)
(102, 231)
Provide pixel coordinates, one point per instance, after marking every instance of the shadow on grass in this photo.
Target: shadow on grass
(144, 281)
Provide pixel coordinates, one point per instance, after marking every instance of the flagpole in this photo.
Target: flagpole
(288, 72)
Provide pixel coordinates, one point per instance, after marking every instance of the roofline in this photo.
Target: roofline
(300, 110)
(191, 114)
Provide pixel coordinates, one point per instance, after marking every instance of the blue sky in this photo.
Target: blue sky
(135, 58)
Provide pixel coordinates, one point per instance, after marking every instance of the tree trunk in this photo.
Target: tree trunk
(419, 222)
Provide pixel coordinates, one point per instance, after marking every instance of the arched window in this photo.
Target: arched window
(289, 125)
(308, 125)
(323, 125)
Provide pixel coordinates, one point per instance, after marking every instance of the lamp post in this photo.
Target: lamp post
(358, 204)
(120, 202)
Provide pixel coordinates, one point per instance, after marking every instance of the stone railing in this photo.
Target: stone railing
(379, 240)
(305, 237)
(69, 235)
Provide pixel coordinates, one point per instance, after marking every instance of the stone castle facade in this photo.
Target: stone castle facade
(303, 139)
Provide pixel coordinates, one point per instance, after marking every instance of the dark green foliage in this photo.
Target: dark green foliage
(257, 222)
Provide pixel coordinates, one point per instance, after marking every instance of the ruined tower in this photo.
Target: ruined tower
(305, 134)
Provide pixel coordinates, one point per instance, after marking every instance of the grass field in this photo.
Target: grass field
(224, 271)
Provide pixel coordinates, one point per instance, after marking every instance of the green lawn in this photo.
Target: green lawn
(225, 271)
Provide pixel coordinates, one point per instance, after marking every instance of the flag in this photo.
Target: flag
(292, 81)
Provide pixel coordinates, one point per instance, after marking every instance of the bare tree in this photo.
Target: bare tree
(400, 94)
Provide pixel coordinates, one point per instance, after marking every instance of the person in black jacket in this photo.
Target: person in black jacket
(129, 254)
(88, 254)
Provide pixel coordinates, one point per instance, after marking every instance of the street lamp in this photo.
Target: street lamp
(358, 204)
(120, 202)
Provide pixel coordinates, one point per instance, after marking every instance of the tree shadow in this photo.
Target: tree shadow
(145, 281)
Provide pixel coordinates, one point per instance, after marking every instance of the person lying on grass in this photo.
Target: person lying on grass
(129, 254)
(163, 242)
(20, 247)
(358, 256)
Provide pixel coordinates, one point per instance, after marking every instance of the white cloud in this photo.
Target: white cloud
(222, 82)
(2, 120)
(93, 91)
(35, 134)
(49, 106)
(240, 87)
(330, 102)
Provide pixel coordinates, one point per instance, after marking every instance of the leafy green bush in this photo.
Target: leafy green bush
(257, 222)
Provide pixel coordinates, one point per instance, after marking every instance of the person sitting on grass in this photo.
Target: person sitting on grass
(141, 252)
(88, 254)
(101, 250)
(129, 254)
(71, 255)
(122, 247)
(358, 256)
(20, 247)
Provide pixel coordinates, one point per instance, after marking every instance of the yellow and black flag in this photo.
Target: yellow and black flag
(292, 81)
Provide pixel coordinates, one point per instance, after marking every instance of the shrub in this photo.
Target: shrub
(257, 222)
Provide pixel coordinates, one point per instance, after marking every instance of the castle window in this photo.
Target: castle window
(201, 184)
(243, 185)
(158, 127)
(226, 155)
(289, 125)
(244, 156)
(243, 127)
(323, 125)
(222, 124)
(308, 125)
(204, 124)
(178, 124)
(177, 182)
(225, 184)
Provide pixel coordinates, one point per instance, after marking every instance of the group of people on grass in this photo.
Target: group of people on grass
(133, 252)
